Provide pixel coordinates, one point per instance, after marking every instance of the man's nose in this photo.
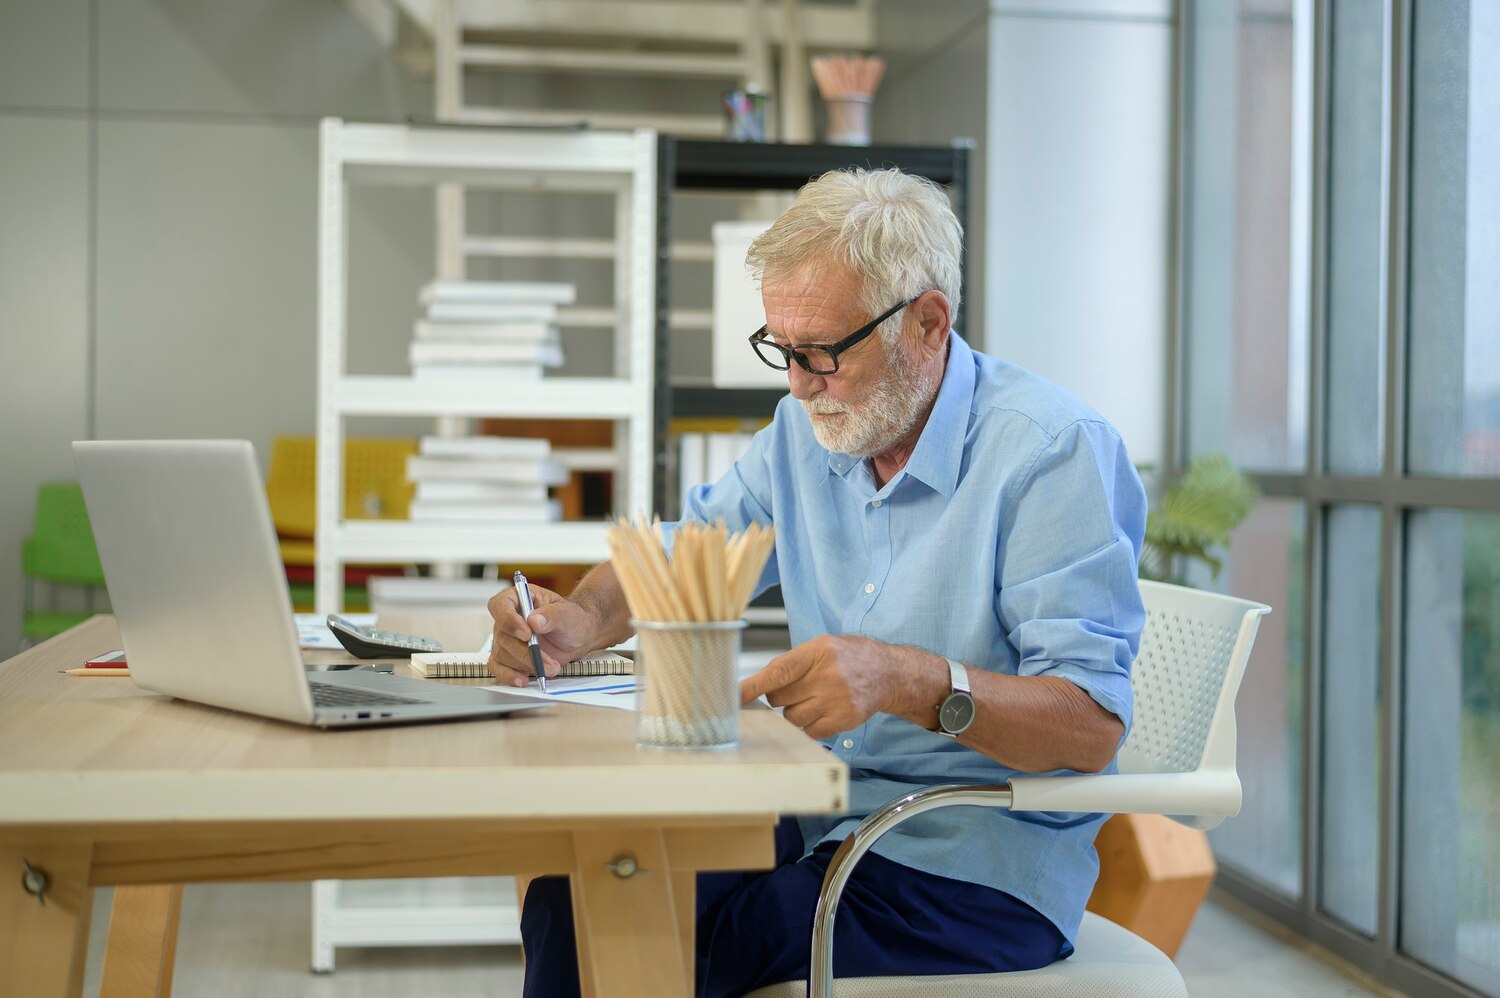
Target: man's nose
(804, 386)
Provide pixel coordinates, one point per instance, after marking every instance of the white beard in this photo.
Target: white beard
(883, 418)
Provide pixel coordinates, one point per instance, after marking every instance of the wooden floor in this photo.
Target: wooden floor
(251, 940)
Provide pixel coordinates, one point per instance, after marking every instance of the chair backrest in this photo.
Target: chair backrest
(375, 483)
(1193, 654)
(61, 546)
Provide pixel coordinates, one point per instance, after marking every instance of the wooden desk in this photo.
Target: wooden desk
(103, 783)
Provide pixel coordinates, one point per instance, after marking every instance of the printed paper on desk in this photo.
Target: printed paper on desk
(593, 691)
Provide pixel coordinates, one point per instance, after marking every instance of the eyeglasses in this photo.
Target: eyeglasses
(817, 358)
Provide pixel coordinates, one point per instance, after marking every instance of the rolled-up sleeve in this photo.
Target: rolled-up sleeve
(1070, 541)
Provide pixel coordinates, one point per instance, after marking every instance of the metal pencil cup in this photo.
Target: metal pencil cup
(691, 698)
(848, 120)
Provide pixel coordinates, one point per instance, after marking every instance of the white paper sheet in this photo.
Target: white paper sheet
(595, 691)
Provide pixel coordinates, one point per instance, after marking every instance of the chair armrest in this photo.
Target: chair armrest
(841, 866)
(1213, 794)
(1201, 799)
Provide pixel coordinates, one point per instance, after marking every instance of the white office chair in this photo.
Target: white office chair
(1179, 761)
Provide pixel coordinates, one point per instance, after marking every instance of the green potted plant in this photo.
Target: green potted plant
(1194, 516)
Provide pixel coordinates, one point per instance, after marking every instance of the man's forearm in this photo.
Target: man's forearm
(1034, 724)
(600, 594)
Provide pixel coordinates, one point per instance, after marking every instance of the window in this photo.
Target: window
(1340, 340)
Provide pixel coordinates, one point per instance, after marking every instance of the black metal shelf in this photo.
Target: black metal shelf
(745, 403)
(683, 164)
(702, 165)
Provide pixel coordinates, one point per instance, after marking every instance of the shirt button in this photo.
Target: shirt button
(878, 503)
(848, 743)
(869, 587)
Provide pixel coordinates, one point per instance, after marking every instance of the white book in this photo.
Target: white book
(477, 372)
(499, 292)
(435, 352)
(502, 512)
(486, 312)
(520, 448)
(480, 492)
(451, 469)
(691, 459)
(587, 458)
(427, 591)
(527, 331)
(721, 455)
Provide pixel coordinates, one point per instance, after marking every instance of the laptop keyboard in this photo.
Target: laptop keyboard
(328, 695)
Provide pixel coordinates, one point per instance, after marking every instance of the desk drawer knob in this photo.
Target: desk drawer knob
(34, 881)
(625, 867)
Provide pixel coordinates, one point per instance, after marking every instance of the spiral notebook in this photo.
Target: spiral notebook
(471, 665)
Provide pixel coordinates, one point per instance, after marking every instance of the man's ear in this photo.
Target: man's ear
(932, 314)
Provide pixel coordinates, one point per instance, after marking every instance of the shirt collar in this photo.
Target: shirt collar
(940, 449)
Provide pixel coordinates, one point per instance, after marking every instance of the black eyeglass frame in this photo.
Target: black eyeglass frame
(795, 350)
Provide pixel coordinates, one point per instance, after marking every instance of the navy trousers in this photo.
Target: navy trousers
(755, 928)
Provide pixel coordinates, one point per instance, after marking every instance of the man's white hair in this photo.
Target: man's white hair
(895, 232)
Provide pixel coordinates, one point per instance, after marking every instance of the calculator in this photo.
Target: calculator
(367, 642)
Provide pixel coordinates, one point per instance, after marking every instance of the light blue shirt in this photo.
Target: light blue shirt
(1009, 542)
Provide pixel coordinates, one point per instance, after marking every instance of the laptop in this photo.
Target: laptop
(200, 594)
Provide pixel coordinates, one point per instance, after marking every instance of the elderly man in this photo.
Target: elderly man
(951, 532)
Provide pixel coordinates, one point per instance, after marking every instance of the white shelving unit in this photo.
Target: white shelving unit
(621, 163)
(468, 910)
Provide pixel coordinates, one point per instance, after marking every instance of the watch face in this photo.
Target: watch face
(957, 713)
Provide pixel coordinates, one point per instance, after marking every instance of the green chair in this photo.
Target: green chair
(59, 552)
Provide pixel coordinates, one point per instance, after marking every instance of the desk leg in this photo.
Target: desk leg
(142, 942)
(629, 926)
(43, 943)
(685, 896)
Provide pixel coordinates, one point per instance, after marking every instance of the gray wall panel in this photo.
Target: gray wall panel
(44, 53)
(43, 327)
(208, 282)
(934, 93)
(277, 57)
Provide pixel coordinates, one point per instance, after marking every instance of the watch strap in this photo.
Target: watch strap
(959, 676)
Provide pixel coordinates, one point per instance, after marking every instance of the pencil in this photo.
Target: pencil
(96, 672)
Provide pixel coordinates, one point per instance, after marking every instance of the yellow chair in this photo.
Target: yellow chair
(375, 487)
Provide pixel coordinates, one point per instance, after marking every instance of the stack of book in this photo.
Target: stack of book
(707, 457)
(484, 479)
(489, 329)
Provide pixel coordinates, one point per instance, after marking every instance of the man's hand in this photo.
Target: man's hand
(830, 684)
(564, 631)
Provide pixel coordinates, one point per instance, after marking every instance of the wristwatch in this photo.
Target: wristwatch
(956, 712)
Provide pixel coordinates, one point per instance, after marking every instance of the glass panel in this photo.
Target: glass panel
(1450, 900)
(1454, 423)
(1266, 562)
(1351, 716)
(1356, 234)
(1245, 304)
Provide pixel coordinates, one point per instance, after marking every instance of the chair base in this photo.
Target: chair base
(1110, 961)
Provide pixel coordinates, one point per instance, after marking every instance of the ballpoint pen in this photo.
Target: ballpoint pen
(524, 592)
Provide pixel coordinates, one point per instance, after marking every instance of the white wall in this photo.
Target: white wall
(1077, 215)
